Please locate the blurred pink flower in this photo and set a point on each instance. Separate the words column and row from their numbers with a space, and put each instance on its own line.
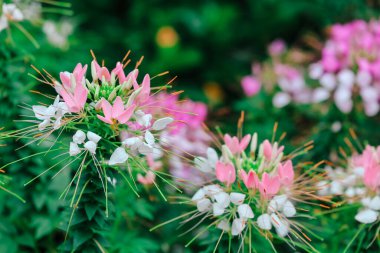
column 277, row 47
column 251, row 86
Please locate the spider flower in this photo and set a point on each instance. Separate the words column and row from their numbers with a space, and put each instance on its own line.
column 358, row 182
column 109, row 121
column 256, row 191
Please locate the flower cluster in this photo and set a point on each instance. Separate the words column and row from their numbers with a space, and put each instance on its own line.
column 284, row 76
column 359, row 183
column 346, row 73
column 349, row 65
column 109, row 117
column 256, row 187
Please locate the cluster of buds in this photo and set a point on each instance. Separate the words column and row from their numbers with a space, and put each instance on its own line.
column 256, row 187
column 358, row 183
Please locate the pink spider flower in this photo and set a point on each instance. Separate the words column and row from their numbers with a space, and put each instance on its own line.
column 269, row 186
column 286, row 173
column 271, row 152
column 225, row 172
column 115, row 112
column 250, row 179
column 234, row 145
column 73, row 90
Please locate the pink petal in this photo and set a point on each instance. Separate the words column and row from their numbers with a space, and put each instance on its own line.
column 117, row 108
column 267, row 150
column 108, row 121
column 126, row 115
column 244, row 142
column 107, row 109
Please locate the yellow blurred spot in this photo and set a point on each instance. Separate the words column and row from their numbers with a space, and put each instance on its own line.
column 166, row 36
column 213, row 92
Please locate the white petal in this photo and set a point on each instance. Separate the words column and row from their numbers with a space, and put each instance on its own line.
column 212, row 189
column 200, row 194
column 74, row 149
column 43, row 124
column 223, row 199
column 237, row 226
column 264, row 221
column 281, row 99
column 149, row 138
column 40, row 112
column 245, row 211
column 328, row 81
column 289, row 210
column 366, row 216
column 320, row 95
column 90, row 146
column 131, row 141
column 277, row 203
column 346, row 78
column 375, row 203
column 315, row 70
column 212, row 157
column 350, row 192
column 237, row 198
column 217, row 209
column 282, row 227
column 79, row 137
column 363, row 78
column 93, row 137
column 145, row 149
column 282, row 230
column 336, row 188
column 224, row 225
column 161, row 124
column 366, row 201
column 204, row 205
column 119, row 156
column 202, row 164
